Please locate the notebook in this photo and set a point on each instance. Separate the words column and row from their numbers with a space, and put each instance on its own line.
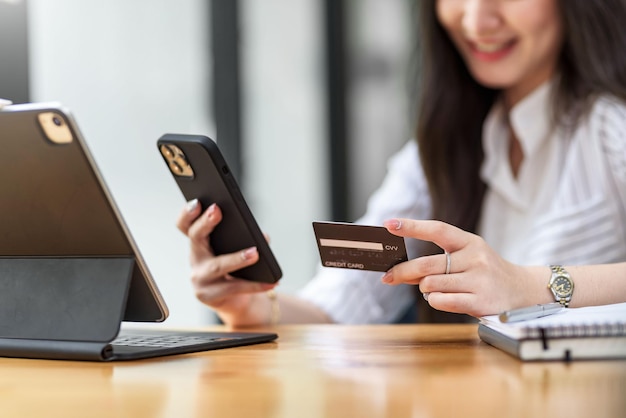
column 70, row 271
column 595, row 332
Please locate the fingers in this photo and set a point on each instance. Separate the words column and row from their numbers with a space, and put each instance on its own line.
column 416, row 270
column 198, row 227
column 195, row 225
column 226, row 289
column 446, row 283
column 199, row 231
column 189, row 213
column 420, row 267
column 455, row 302
column 479, row 280
column 453, row 292
column 210, row 269
column 446, row 236
column 213, row 283
column 212, row 276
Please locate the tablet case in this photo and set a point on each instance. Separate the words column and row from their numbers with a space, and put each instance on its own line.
column 68, row 273
column 62, row 307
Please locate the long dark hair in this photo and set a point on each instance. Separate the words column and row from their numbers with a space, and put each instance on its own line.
column 452, row 105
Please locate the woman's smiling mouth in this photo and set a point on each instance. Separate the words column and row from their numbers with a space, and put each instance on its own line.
column 491, row 51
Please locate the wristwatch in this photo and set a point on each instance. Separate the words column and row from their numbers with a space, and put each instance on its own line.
column 561, row 285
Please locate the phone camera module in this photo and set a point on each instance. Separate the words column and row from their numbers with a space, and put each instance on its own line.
column 57, row 121
column 176, row 160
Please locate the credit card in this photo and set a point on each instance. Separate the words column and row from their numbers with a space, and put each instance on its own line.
column 358, row 247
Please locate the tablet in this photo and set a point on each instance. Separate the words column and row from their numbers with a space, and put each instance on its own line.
column 55, row 203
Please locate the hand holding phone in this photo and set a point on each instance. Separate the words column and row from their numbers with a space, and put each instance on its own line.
column 201, row 173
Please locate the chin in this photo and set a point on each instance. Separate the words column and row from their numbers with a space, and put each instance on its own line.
column 492, row 81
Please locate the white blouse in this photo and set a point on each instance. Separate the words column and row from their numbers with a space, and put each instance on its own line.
column 567, row 204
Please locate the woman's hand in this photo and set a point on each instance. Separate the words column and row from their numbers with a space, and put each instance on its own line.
column 229, row 296
column 479, row 282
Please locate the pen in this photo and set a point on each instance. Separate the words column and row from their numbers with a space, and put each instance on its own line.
column 530, row 312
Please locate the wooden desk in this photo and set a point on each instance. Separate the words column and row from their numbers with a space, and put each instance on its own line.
column 322, row 371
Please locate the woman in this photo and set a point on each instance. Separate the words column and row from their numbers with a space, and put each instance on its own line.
column 522, row 147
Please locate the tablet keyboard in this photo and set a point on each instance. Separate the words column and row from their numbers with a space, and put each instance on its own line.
column 166, row 341
column 133, row 344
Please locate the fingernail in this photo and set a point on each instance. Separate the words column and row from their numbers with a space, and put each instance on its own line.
column 393, row 224
column 248, row 253
column 210, row 210
column 387, row 278
column 192, row 205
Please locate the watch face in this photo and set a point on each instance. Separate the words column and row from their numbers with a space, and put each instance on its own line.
column 562, row 285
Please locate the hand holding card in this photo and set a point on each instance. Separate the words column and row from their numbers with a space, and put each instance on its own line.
column 358, row 247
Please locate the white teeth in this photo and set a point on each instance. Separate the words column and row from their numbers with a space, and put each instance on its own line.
column 489, row 47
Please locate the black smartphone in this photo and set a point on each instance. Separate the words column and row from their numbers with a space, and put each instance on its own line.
column 201, row 172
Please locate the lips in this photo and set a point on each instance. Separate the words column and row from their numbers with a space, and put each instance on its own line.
column 491, row 51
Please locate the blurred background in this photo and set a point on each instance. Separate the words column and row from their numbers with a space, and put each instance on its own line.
column 306, row 98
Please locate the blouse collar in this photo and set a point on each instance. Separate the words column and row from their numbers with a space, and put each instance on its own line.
column 531, row 120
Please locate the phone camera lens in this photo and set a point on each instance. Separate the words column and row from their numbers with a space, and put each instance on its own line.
column 57, row 121
column 176, row 168
column 167, row 151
